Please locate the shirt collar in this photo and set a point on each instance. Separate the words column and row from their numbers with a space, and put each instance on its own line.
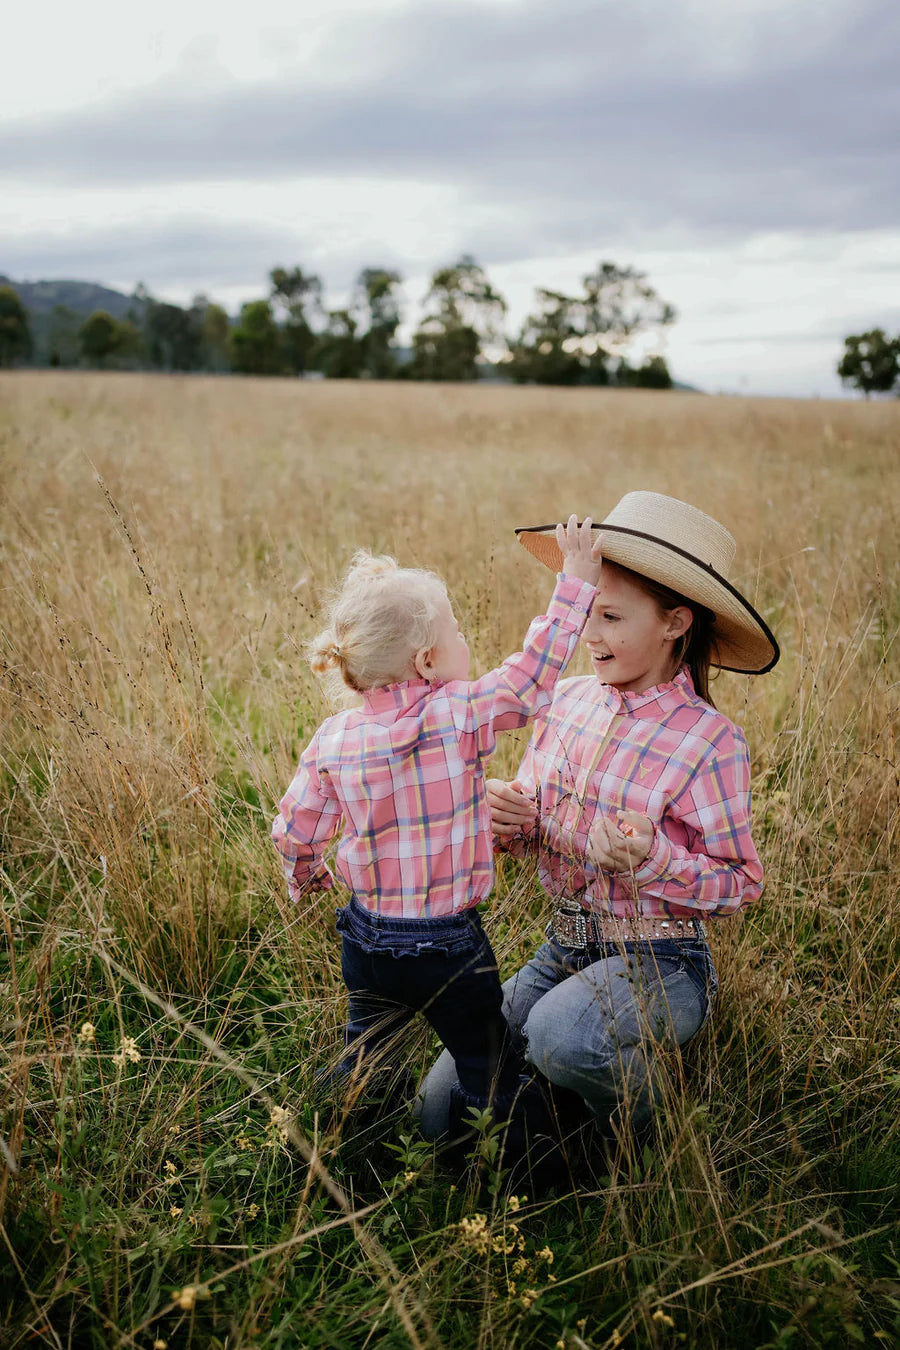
column 398, row 696
column 659, row 698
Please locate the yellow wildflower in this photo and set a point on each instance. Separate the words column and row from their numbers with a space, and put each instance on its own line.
column 176, row 1211
column 663, row 1318
column 520, row 1266
column 545, row 1254
column 160, row 1344
column 529, row 1296
column 127, row 1052
column 86, row 1033
column 515, row 1202
column 251, row 1212
column 187, row 1297
column 475, row 1232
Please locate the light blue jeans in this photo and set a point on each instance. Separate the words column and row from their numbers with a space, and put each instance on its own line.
column 593, row 1021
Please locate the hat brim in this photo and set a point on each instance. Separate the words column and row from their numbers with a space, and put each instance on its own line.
column 743, row 641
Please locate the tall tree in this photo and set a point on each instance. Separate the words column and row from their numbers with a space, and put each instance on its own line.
column 256, row 347
column 465, row 314
column 173, row 336
column 15, row 333
column 339, row 352
column 62, row 337
column 214, row 334
column 106, row 341
column 871, row 362
column 297, row 299
column 584, row 339
column 377, row 303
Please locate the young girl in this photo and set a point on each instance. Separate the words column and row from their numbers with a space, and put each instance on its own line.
column 634, row 794
column 401, row 776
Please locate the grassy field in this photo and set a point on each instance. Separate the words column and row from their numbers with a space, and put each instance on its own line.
column 165, row 1176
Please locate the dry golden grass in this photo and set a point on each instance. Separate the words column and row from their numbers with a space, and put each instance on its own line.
column 166, row 543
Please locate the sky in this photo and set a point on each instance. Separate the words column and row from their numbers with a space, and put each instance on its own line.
column 745, row 155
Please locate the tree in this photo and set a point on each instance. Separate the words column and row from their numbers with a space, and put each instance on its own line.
column 214, row 336
column 871, row 362
column 584, row 339
column 173, row 336
column 297, row 298
column 256, row 347
column 339, row 352
column 377, row 304
column 15, row 332
column 466, row 315
column 62, row 337
column 105, row 341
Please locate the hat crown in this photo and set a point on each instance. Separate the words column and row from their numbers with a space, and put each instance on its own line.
column 677, row 524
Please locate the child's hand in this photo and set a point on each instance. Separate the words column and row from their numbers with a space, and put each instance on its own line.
column 511, row 811
column 580, row 549
column 620, row 845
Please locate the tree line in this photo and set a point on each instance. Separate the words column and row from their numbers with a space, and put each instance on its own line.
column 579, row 339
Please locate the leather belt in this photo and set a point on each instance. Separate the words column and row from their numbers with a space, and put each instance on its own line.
column 584, row 928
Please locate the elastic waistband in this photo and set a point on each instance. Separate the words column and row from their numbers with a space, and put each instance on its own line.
column 441, row 923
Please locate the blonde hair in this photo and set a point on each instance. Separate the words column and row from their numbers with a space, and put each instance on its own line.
column 381, row 616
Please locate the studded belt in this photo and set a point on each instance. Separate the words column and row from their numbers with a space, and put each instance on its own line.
column 584, row 928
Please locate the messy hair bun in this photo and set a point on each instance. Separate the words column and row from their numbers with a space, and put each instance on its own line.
column 381, row 616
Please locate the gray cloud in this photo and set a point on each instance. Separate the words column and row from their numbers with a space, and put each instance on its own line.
column 580, row 118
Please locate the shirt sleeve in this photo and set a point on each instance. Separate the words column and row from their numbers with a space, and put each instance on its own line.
column 523, row 685
column 720, row 871
column 309, row 817
column 523, row 841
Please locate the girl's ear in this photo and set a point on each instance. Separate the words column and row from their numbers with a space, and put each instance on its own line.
column 423, row 661
column 680, row 620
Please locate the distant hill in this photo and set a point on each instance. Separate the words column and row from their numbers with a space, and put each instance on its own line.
column 82, row 297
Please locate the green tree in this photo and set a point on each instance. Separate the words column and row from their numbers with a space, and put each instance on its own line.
column 297, row 298
column 15, row 332
column 584, row 339
column 377, row 304
column 466, row 314
column 173, row 336
column 104, row 341
column 871, row 362
column 339, row 352
column 256, row 346
column 214, row 337
column 62, row 337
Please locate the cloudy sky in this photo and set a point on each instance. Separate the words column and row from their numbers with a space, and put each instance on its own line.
column 746, row 154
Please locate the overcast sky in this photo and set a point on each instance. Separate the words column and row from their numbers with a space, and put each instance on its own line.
column 745, row 153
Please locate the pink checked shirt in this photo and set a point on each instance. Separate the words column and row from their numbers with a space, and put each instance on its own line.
column 666, row 754
column 403, row 777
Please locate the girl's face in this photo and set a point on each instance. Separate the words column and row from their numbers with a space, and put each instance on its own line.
column 630, row 639
column 448, row 659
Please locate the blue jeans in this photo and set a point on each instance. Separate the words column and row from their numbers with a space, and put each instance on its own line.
column 592, row 1021
column 443, row 968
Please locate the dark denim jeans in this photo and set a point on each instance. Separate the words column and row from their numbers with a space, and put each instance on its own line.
column 443, row 968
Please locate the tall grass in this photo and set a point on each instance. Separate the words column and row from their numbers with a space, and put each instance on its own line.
column 169, row 1173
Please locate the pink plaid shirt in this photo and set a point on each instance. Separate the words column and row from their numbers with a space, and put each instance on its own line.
column 666, row 754
column 403, row 777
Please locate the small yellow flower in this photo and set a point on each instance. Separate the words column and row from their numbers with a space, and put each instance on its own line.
column 251, row 1212
column 511, row 1288
column 176, row 1211
column 409, row 1176
column 545, row 1254
column 663, row 1318
column 520, row 1266
column 194, row 1220
column 87, row 1032
column 616, row 1337
column 243, row 1143
column 159, row 1344
column 529, row 1296
column 127, row 1052
column 187, row 1297
column 515, row 1202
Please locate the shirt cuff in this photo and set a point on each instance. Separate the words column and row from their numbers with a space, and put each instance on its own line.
column 571, row 600
column 657, row 862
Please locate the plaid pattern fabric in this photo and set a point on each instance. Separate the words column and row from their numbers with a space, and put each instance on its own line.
column 666, row 754
column 403, row 777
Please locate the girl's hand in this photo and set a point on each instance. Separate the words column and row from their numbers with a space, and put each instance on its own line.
column 512, row 811
column 620, row 845
column 580, row 549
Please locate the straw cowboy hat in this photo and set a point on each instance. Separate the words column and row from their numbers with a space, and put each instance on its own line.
column 677, row 545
